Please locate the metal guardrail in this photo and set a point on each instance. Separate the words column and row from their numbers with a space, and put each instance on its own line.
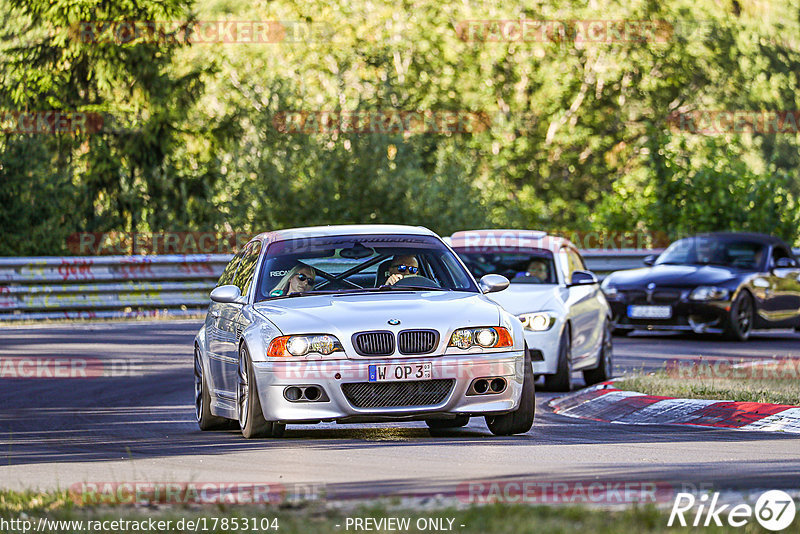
column 107, row 286
column 150, row 286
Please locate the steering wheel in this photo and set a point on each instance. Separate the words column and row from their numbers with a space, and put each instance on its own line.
column 416, row 280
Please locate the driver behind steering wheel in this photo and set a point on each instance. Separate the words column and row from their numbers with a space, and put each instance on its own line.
column 537, row 268
column 401, row 267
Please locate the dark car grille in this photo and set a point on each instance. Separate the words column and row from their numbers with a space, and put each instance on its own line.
column 417, row 341
column 396, row 394
column 374, row 343
column 660, row 296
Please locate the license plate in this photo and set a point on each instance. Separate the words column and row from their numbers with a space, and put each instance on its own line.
column 649, row 312
column 400, row 372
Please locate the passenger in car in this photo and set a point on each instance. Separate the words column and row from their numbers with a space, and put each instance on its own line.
column 298, row 280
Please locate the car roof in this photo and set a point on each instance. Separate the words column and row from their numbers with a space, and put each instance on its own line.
column 343, row 230
column 487, row 239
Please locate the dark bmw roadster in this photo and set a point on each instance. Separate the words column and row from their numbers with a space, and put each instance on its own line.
column 727, row 283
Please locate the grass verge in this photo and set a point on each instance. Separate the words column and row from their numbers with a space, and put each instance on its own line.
column 325, row 517
column 774, row 382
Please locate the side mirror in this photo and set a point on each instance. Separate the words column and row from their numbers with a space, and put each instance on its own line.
column 785, row 263
column 492, row 283
column 583, row 278
column 650, row 260
column 229, row 294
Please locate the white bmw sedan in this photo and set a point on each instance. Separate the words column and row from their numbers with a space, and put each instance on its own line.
column 566, row 317
column 369, row 323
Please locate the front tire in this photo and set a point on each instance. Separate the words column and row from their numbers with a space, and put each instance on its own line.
column 520, row 420
column 251, row 417
column 605, row 367
column 562, row 380
column 740, row 321
column 202, row 400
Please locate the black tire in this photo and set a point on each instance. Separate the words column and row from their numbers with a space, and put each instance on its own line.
column 562, row 380
column 739, row 323
column 459, row 421
column 520, row 420
column 202, row 400
column 605, row 367
column 251, row 417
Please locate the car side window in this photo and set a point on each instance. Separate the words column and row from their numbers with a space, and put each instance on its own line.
column 576, row 260
column 230, row 270
column 244, row 276
column 571, row 262
column 778, row 252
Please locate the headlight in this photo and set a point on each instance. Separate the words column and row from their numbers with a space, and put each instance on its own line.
column 538, row 322
column 285, row 346
column 611, row 292
column 710, row 293
column 489, row 337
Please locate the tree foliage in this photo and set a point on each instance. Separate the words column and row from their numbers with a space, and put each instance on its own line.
column 579, row 134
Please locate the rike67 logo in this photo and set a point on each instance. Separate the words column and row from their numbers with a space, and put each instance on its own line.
column 774, row 510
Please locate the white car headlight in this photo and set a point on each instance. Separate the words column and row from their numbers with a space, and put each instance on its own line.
column 283, row 346
column 710, row 293
column 490, row 337
column 538, row 322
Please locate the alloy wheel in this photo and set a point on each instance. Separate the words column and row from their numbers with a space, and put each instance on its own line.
column 243, row 389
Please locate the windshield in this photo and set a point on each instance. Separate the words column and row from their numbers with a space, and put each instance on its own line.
column 707, row 250
column 353, row 264
column 528, row 267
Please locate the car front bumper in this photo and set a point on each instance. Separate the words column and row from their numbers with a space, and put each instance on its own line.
column 543, row 347
column 693, row 316
column 274, row 377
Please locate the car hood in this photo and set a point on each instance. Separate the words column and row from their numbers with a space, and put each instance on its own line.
column 526, row 298
column 674, row 276
column 343, row 315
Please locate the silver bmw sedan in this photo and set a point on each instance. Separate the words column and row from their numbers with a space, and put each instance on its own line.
column 363, row 323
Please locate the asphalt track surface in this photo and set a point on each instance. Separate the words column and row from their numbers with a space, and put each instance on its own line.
column 58, row 432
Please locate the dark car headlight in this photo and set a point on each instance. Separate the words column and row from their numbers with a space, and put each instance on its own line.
column 611, row 292
column 710, row 293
